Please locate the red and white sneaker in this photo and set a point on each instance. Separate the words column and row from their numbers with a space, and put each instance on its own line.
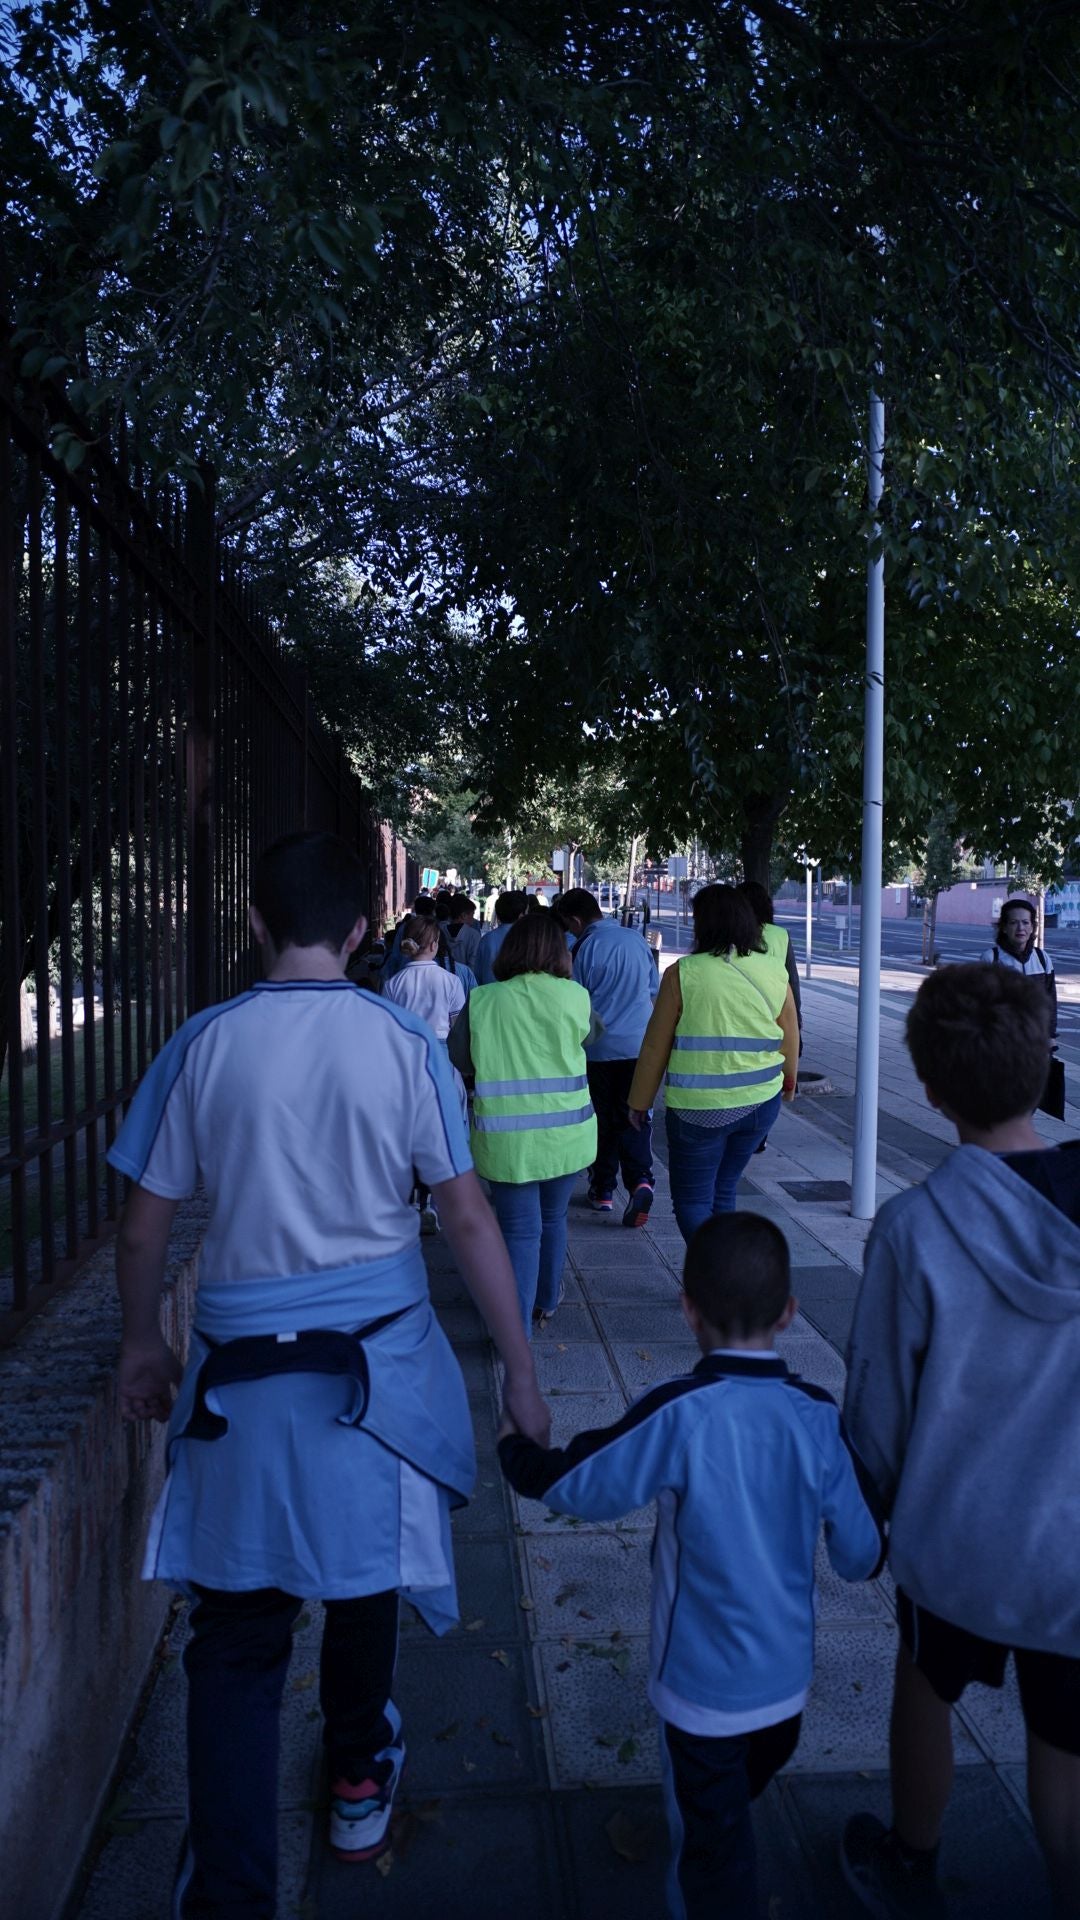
column 360, row 1810
column 641, row 1200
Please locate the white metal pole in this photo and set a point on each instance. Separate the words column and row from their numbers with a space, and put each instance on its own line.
column 809, row 916
column 868, row 1046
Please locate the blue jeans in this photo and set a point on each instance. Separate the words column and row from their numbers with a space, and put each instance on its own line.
column 704, row 1163
column 709, row 1782
column 532, row 1216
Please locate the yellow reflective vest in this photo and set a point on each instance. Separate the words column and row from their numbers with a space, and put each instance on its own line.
column 532, row 1116
column 728, row 1048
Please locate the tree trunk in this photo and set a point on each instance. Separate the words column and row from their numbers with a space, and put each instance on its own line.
column 933, row 929
column 760, row 816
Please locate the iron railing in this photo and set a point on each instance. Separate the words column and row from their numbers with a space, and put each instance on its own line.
column 154, row 733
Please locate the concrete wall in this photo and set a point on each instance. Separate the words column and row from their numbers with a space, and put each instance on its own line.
column 78, row 1629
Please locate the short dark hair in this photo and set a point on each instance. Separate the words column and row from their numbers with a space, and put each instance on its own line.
column 423, row 904
column 979, row 1039
column 724, row 919
column 310, row 889
column 760, row 900
column 509, row 907
column 581, row 903
column 535, row 944
column 463, row 904
column 737, row 1272
column 444, row 901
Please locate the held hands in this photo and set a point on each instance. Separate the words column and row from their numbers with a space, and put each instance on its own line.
column 636, row 1117
column 525, row 1411
column 148, row 1373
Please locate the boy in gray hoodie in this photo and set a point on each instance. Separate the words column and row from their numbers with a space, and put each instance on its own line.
column 963, row 1399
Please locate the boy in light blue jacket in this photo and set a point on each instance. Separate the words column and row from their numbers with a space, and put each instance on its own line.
column 745, row 1462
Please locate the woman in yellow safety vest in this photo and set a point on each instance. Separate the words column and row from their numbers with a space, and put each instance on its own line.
column 724, row 1032
column 533, row 1127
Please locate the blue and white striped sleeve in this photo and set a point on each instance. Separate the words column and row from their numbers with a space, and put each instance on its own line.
column 606, row 1471
column 440, row 1143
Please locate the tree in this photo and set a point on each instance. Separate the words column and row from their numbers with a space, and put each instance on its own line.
column 941, row 868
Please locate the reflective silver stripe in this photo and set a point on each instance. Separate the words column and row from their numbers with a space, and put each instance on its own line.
column 685, row 1043
column 494, row 1089
column 699, row 1081
column 527, row 1122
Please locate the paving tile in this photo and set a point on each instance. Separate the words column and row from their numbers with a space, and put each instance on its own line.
column 600, row 1720
column 475, row 1364
column 641, row 1323
column 629, row 1283
column 572, row 1367
column 571, row 1321
column 846, row 1722
column 994, row 1715
column 461, row 1323
column 815, row 1360
column 613, row 1247
column 466, row 1717
column 488, row 1510
column 133, row 1875
column 853, row 1600
column 604, row 1882
column 489, row 1590
column 453, row 1856
column 989, row 1865
column 644, row 1366
column 604, row 1576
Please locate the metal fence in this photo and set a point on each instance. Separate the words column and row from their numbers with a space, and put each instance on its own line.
column 153, row 735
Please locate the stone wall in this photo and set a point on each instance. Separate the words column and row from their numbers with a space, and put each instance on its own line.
column 78, row 1628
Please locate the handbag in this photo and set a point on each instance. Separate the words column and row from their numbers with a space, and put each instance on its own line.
column 1053, row 1100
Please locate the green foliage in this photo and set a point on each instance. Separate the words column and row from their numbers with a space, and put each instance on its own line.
column 533, row 351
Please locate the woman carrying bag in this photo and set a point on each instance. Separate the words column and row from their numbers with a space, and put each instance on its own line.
column 533, row 1126
column 724, row 1032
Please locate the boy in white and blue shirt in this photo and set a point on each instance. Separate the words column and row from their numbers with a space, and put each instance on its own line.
column 321, row 1431
column 746, row 1462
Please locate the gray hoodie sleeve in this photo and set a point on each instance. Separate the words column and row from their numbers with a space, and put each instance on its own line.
column 889, row 1338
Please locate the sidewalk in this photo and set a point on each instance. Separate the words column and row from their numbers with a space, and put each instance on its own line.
column 531, row 1782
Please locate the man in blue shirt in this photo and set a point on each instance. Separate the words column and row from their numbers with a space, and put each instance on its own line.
column 508, row 908
column 615, row 967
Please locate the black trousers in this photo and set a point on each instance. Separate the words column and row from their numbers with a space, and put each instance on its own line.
column 709, row 1783
column 236, row 1663
column 620, row 1148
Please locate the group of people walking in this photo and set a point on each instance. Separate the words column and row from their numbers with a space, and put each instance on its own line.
column 563, row 1034
column 320, row 1434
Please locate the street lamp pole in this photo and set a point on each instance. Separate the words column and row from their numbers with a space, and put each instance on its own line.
column 868, row 1045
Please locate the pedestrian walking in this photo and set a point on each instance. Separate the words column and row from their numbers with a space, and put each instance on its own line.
column 533, row 1127
column 724, row 1032
column 745, row 1462
column 321, row 1430
column 617, row 972
column 436, row 994
column 463, row 932
column 508, row 908
column 961, row 1398
column 777, row 940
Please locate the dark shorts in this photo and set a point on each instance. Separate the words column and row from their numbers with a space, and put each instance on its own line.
column 951, row 1658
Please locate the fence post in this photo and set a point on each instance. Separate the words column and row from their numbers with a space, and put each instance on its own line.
column 202, row 559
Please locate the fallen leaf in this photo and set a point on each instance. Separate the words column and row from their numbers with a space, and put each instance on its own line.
column 449, row 1732
column 627, row 1752
column 628, row 1838
column 469, row 1766
column 542, row 1563
column 567, row 1593
column 385, row 1862
column 502, row 1658
column 302, row 1684
column 500, row 1739
column 561, row 1666
column 643, row 1353
column 474, row 1626
column 605, row 1740
column 560, row 1349
column 538, row 1713
column 526, row 1604
column 583, row 1615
